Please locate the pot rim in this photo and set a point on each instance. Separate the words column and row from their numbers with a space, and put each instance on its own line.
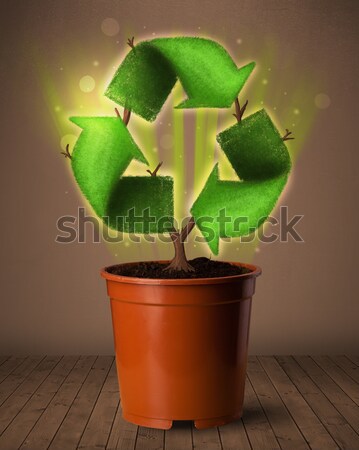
column 255, row 271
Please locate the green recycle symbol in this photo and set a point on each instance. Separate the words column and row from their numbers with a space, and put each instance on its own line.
column 141, row 85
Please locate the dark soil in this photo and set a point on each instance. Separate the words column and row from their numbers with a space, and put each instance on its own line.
column 204, row 268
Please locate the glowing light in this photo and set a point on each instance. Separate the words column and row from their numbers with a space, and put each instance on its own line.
column 322, row 101
column 178, row 150
column 199, row 149
column 57, row 108
column 296, row 111
column 87, row 84
column 110, row 27
column 167, row 141
column 265, row 81
column 303, row 93
column 68, row 139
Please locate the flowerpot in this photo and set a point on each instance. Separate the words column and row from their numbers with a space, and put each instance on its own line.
column 181, row 347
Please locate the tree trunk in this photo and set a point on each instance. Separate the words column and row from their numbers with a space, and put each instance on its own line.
column 179, row 262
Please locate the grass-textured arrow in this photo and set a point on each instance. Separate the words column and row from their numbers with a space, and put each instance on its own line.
column 261, row 160
column 147, row 75
column 100, row 157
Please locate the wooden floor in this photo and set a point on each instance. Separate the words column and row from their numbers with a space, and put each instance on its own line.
column 72, row 402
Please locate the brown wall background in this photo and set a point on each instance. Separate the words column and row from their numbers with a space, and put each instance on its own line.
column 52, row 298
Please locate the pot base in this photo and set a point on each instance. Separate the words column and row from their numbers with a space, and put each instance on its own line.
column 148, row 422
column 164, row 424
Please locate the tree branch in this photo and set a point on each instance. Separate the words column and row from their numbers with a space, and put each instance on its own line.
column 126, row 115
column 130, row 42
column 287, row 137
column 187, row 229
column 239, row 111
column 154, row 173
column 183, row 234
column 67, row 152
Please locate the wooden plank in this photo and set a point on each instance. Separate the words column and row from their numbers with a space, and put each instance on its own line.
column 71, row 429
column 333, row 392
column 312, row 429
column 207, row 439
column 45, row 429
column 123, row 434
column 354, row 359
column 11, row 407
column 233, row 436
column 347, row 384
column 283, row 425
column 348, row 366
column 100, row 423
column 9, row 365
column 179, row 436
column 16, row 374
column 259, row 431
column 16, row 432
column 333, row 421
column 3, row 359
column 149, row 439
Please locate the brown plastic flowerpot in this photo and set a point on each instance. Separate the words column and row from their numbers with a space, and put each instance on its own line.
column 181, row 347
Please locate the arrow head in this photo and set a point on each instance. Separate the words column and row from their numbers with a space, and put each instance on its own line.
column 106, row 134
column 101, row 154
column 206, row 71
column 221, row 85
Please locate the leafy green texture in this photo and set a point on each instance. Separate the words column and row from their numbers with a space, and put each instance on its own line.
column 145, row 204
column 147, row 75
column 101, row 155
column 142, row 84
column 261, row 160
